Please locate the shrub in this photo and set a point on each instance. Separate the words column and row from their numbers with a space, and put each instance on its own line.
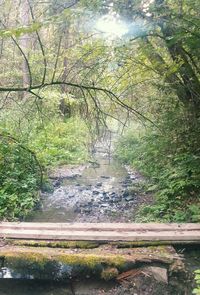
column 20, row 178
column 173, row 171
column 197, row 279
column 61, row 142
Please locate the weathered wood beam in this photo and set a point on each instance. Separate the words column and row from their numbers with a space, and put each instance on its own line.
column 171, row 233
column 102, row 226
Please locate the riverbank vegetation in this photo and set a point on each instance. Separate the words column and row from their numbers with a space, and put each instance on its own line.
column 30, row 145
column 197, row 279
column 168, row 152
column 70, row 69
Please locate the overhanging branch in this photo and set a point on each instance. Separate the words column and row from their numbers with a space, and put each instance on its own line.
column 108, row 92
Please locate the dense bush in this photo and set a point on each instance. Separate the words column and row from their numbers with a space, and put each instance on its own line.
column 59, row 142
column 62, row 142
column 31, row 141
column 173, row 171
column 20, row 178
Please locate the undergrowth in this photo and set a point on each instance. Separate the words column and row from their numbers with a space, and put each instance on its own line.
column 62, row 142
column 197, row 280
column 20, row 178
column 30, row 143
column 172, row 171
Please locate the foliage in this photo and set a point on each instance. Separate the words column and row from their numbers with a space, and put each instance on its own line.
column 174, row 175
column 59, row 135
column 19, row 180
column 197, row 279
column 62, row 142
column 45, row 138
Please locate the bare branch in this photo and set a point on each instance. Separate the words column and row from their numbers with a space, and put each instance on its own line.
column 85, row 87
column 57, row 56
column 24, row 56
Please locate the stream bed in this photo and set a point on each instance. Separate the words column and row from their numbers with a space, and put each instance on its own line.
column 93, row 193
column 102, row 191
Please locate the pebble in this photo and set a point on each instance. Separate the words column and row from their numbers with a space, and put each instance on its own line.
column 77, row 210
column 96, row 201
column 57, row 183
column 87, row 210
column 112, row 194
column 130, row 198
column 104, row 205
column 125, row 193
column 70, row 195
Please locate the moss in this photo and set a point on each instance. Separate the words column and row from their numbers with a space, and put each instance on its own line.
column 56, row 244
column 141, row 244
column 109, row 273
column 91, row 260
column 104, row 262
column 25, row 259
column 49, row 264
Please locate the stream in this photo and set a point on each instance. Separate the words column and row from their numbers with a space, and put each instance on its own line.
column 101, row 191
column 93, row 193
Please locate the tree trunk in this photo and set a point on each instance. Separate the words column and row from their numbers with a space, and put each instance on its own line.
column 24, row 41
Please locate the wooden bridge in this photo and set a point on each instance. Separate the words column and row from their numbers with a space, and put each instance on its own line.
column 101, row 249
column 103, row 232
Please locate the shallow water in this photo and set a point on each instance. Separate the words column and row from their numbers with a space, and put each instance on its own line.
column 97, row 195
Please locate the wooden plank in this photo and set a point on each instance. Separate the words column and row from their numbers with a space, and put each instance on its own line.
column 104, row 236
column 102, row 226
column 101, row 232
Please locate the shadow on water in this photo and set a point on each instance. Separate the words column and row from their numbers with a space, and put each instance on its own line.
column 43, row 287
